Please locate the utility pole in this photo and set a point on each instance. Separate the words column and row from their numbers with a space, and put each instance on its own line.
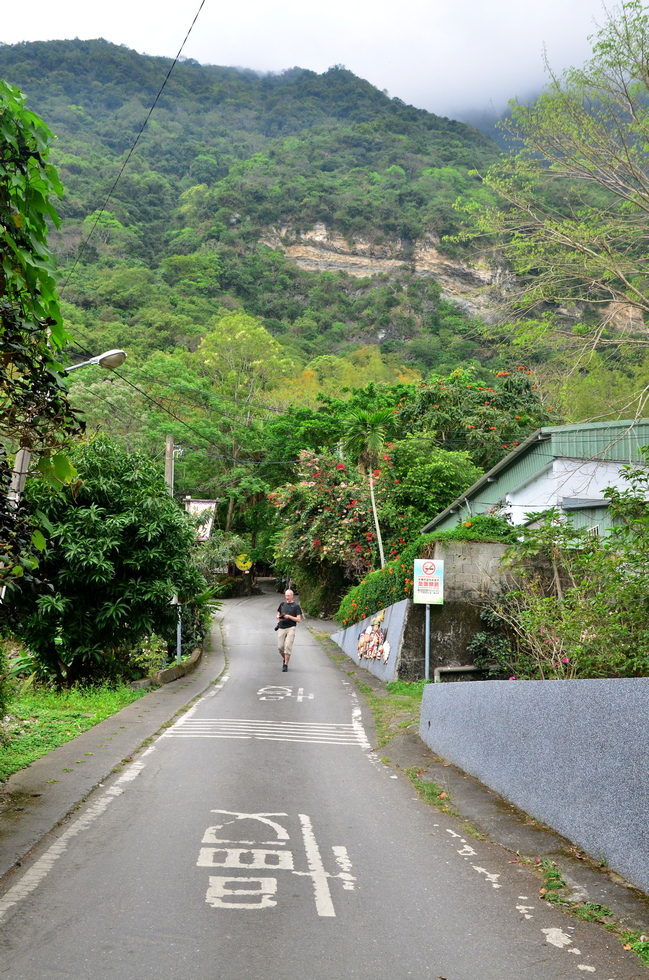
column 16, row 487
column 18, row 477
column 169, row 464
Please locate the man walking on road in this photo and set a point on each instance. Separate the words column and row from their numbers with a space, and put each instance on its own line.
column 289, row 615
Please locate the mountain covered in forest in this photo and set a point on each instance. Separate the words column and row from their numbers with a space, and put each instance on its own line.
column 315, row 202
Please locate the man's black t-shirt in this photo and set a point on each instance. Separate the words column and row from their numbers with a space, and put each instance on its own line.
column 292, row 609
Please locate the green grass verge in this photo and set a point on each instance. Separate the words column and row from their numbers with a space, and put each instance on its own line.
column 396, row 710
column 41, row 719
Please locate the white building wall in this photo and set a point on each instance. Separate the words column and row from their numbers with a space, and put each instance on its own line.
column 587, row 479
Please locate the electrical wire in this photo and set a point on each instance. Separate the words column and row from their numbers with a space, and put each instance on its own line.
column 132, row 149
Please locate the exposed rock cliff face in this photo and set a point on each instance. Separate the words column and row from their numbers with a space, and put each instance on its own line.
column 478, row 288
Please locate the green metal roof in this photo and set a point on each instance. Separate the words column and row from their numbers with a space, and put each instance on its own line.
column 614, row 441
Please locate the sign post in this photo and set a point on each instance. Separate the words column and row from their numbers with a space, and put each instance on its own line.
column 179, row 628
column 428, row 588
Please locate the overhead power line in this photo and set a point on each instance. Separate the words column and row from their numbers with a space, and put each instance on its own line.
column 132, row 148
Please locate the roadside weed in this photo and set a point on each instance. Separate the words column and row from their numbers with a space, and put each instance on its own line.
column 42, row 719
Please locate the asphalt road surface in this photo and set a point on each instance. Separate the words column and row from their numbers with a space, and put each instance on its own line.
column 261, row 838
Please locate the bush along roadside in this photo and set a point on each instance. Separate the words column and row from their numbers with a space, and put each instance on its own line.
column 394, row 582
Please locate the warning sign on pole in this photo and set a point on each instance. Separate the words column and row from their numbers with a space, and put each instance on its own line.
column 428, row 581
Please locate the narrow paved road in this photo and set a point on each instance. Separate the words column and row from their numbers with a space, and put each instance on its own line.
column 260, row 838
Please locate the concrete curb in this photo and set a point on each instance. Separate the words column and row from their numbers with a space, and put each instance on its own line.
column 169, row 674
column 43, row 794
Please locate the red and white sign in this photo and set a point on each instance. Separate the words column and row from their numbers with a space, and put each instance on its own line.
column 428, row 582
column 205, row 510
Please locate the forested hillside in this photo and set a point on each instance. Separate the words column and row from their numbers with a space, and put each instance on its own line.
column 191, row 245
column 227, row 156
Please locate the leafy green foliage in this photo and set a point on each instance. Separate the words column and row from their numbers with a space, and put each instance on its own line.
column 119, row 549
column 34, row 410
column 425, row 479
column 5, row 687
column 572, row 204
column 33, row 405
column 467, row 413
column 42, row 719
column 328, row 536
column 228, row 157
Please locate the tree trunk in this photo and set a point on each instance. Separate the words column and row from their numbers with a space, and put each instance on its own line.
column 376, row 521
column 228, row 520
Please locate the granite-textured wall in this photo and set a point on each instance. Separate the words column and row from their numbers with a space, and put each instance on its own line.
column 471, row 568
column 573, row 754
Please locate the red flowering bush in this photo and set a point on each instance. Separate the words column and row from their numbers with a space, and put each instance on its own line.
column 328, row 536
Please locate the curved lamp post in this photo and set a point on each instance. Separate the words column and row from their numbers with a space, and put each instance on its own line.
column 110, row 360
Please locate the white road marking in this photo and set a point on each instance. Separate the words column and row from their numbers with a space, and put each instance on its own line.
column 284, row 731
column 493, row 878
column 467, row 851
column 582, row 966
column 357, row 724
column 233, row 857
column 133, row 770
column 274, row 692
column 41, row 868
column 557, row 937
column 323, row 903
column 525, row 910
column 301, row 695
column 218, row 892
column 32, row 878
column 345, row 865
column 264, row 818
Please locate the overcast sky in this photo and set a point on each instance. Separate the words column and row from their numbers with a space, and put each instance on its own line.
column 443, row 55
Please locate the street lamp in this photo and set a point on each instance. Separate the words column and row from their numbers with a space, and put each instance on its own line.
column 110, row 360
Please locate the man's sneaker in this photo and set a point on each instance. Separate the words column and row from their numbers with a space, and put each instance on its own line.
column 284, row 667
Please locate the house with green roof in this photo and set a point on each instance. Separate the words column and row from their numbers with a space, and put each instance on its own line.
column 564, row 466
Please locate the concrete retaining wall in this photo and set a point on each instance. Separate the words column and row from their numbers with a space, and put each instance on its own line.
column 471, row 570
column 355, row 639
column 573, row 754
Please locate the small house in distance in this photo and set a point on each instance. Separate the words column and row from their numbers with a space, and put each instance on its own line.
column 564, row 466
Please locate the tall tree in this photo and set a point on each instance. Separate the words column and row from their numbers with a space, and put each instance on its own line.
column 364, row 439
column 243, row 362
column 34, row 411
column 574, row 200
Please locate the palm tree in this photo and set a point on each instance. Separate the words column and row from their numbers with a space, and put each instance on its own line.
column 364, row 435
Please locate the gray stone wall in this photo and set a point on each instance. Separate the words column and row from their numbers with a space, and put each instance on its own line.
column 471, row 568
column 452, row 626
column 573, row 754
